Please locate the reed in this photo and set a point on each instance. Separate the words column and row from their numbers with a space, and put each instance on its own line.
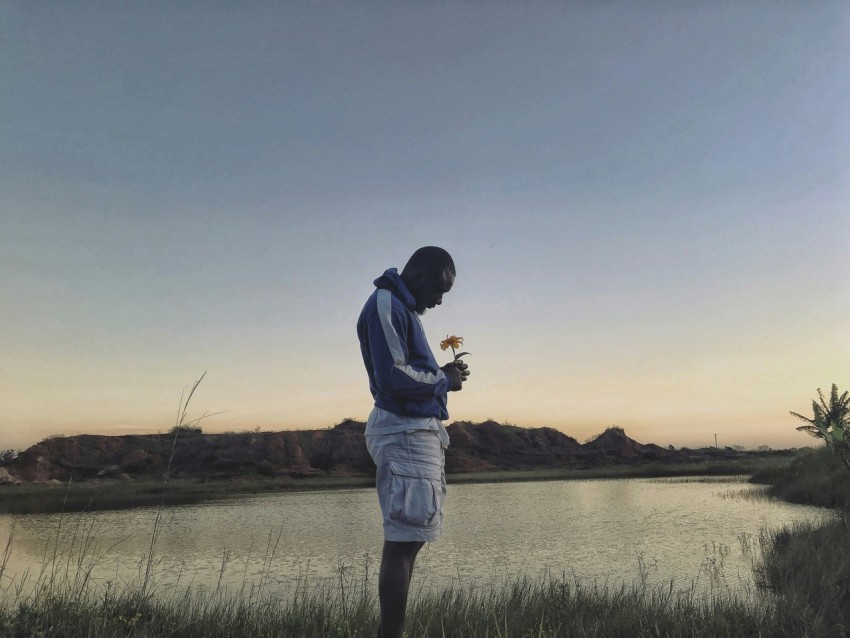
column 800, row 573
column 552, row 605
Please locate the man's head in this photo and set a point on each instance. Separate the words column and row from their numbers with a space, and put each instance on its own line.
column 428, row 275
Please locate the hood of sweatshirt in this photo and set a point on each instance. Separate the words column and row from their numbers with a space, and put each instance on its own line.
column 393, row 282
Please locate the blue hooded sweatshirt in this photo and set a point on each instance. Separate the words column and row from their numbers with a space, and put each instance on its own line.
column 408, row 386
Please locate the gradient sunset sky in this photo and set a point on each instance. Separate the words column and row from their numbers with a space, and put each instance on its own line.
column 647, row 204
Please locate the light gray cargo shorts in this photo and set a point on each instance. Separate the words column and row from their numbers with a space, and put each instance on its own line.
column 411, row 483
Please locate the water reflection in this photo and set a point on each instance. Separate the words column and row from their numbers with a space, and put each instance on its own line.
column 609, row 531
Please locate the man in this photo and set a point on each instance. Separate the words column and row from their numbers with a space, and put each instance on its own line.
column 404, row 432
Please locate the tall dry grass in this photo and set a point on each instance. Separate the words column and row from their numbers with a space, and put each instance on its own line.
column 800, row 572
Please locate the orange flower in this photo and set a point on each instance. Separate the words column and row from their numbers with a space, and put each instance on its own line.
column 455, row 344
column 451, row 342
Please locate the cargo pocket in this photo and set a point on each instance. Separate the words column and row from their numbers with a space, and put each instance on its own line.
column 415, row 493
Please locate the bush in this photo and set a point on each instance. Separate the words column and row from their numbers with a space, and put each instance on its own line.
column 814, row 477
column 186, row 430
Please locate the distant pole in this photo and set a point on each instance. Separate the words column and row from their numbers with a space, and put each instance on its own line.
column 715, row 440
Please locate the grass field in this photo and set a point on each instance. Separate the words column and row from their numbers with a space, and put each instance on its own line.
column 800, row 595
column 553, row 606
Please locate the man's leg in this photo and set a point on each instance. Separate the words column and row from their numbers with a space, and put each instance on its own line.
column 394, row 583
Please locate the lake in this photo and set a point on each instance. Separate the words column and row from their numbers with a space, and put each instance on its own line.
column 697, row 533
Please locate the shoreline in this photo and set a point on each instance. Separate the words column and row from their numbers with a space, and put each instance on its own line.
column 112, row 494
column 799, row 590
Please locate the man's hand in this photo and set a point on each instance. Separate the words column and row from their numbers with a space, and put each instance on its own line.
column 456, row 372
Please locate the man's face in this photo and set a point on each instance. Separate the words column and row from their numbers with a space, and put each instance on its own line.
column 430, row 291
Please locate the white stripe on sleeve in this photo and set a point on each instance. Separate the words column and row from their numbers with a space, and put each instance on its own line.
column 385, row 312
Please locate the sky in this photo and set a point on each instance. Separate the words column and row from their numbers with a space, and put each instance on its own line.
column 647, row 205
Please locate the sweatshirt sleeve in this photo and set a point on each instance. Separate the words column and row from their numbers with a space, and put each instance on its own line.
column 393, row 371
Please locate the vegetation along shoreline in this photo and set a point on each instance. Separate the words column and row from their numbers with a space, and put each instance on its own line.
column 88, row 472
column 801, row 591
column 801, row 574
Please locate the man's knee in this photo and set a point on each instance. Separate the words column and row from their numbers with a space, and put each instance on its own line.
column 403, row 552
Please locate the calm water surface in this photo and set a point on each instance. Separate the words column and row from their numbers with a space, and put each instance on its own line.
column 608, row 531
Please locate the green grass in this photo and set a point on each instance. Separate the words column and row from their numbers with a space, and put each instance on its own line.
column 807, row 567
column 65, row 602
column 649, row 470
column 553, row 606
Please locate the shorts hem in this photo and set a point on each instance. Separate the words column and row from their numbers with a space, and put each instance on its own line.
column 406, row 536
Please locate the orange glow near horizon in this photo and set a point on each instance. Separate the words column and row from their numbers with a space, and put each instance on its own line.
column 636, row 243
